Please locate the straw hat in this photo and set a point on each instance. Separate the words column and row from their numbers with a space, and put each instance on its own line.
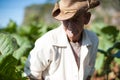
column 66, row 9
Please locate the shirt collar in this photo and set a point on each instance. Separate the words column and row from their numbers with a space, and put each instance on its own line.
column 85, row 39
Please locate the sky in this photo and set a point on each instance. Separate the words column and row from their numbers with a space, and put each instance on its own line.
column 14, row 10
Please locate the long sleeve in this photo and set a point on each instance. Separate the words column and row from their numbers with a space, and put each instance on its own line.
column 38, row 60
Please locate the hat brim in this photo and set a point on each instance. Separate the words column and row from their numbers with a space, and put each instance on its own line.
column 64, row 13
column 63, row 16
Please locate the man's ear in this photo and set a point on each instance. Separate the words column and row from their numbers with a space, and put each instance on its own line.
column 87, row 17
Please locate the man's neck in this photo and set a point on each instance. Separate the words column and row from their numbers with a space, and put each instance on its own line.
column 76, row 38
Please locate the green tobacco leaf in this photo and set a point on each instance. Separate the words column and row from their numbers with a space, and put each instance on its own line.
column 10, row 28
column 96, row 27
column 7, row 68
column 99, row 63
column 7, row 61
column 110, row 32
column 8, row 44
column 22, row 40
column 31, row 32
column 104, row 44
column 20, row 52
column 25, row 46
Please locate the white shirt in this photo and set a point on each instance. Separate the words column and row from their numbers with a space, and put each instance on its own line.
column 52, row 57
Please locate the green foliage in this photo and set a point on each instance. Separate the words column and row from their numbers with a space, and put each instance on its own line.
column 7, row 68
column 16, row 43
column 25, row 46
column 7, row 61
column 107, row 34
column 109, row 47
column 8, row 44
column 99, row 63
column 11, row 27
column 110, row 55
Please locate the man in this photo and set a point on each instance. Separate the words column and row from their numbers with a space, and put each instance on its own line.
column 69, row 51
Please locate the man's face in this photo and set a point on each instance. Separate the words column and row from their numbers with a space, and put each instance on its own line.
column 74, row 26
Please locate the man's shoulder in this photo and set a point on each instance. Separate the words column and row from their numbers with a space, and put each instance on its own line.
column 90, row 33
column 92, row 36
column 48, row 37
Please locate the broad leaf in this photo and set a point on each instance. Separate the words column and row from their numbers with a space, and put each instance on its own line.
column 8, row 44
column 25, row 46
column 7, row 68
column 110, row 32
column 99, row 63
